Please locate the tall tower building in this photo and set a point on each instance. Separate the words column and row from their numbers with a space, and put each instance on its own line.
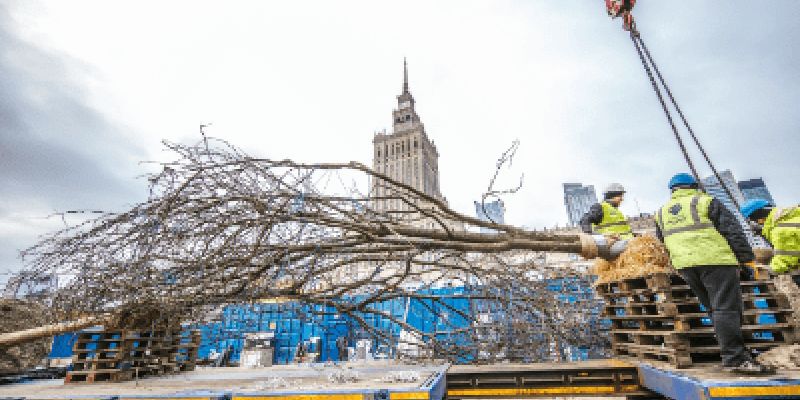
column 406, row 154
column 755, row 189
column 493, row 211
column 714, row 188
column 578, row 199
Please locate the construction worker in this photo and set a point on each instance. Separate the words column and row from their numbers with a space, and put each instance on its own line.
column 606, row 218
column 781, row 228
column 706, row 245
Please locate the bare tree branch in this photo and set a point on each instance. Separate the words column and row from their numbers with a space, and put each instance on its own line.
column 221, row 227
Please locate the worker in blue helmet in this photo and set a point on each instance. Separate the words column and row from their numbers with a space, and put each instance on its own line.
column 706, row 245
column 781, row 228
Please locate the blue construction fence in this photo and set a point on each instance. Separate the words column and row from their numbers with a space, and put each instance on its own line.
column 319, row 326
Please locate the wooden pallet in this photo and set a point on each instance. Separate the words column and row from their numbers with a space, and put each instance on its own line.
column 688, row 321
column 660, row 282
column 680, row 358
column 99, row 356
column 155, row 352
column 635, row 297
column 654, row 281
column 127, row 354
column 683, row 349
column 781, row 333
column 101, row 375
column 658, row 317
column 633, row 291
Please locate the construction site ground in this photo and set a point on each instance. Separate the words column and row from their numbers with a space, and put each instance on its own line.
column 630, row 378
column 212, row 382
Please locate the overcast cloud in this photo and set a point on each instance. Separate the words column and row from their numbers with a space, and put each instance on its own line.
column 88, row 88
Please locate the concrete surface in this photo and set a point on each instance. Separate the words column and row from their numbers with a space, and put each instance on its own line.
column 279, row 378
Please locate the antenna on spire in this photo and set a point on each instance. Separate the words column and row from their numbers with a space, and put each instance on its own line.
column 405, row 76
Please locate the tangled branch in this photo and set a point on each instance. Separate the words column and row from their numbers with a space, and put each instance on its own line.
column 221, row 227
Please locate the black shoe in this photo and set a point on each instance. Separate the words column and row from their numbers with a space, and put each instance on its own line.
column 750, row 367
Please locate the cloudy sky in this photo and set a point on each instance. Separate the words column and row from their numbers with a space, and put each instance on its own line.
column 90, row 88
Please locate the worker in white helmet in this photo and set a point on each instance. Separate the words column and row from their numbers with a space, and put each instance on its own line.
column 606, row 218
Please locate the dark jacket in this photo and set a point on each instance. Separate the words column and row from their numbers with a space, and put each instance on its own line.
column 593, row 216
column 728, row 226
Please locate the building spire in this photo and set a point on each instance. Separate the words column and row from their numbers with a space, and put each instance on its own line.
column 405, row 76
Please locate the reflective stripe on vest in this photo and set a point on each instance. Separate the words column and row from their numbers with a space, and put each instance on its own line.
column 791, row 253
column 787, row 225
column 612, row 224
column 697, row 225
column 782, row 212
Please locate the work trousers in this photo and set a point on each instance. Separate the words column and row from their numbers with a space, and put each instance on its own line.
column 718, row 288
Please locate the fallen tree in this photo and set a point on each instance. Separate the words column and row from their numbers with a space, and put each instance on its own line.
column 221, row 227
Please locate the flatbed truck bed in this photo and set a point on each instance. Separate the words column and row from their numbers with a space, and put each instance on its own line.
column 710, row 382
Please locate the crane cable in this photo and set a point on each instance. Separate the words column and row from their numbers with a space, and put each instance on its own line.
column 635, row 37
column 647, row 63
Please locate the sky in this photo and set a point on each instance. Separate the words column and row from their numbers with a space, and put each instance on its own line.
column 89, row 89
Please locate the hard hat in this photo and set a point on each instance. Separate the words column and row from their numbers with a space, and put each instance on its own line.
column 752, row 206
column 682, row 179
column 614, row 188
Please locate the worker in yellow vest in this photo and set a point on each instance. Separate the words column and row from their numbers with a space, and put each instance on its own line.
column 706, row 245
column 781, row 228
column 606, row 218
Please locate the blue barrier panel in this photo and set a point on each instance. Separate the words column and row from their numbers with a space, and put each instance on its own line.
column 294, row 323
column 62, row 345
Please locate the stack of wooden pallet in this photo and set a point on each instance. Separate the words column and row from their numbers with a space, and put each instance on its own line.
column 658, row 317
column 155, row 352
column 118, row 355
column 100, row 356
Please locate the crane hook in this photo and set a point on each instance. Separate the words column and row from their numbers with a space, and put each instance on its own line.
column 622, row 8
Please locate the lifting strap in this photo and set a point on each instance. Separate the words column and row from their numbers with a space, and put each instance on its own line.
column 652, row 71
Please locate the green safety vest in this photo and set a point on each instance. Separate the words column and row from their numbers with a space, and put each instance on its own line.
column 782, row 229
column 613, row 222
column 689, row 235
